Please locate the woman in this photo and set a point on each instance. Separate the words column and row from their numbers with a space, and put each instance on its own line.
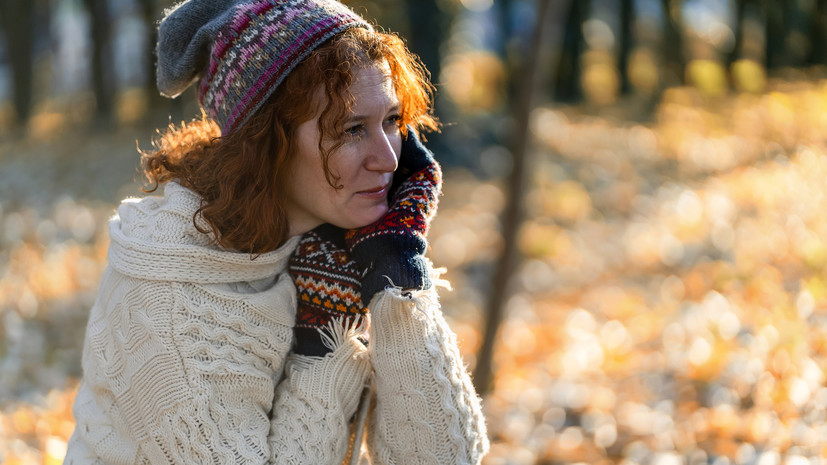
column 231, row 323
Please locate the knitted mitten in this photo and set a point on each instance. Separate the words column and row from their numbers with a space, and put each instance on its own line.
column 394, row 247
column 327, row 286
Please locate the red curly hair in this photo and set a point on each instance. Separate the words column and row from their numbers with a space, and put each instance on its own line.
column 239, row 175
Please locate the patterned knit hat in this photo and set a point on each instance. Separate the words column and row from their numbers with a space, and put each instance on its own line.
column 241, row 49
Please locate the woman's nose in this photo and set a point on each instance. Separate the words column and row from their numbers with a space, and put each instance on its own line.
column 382, row 156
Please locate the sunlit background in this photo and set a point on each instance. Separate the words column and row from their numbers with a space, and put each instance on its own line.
column 668, row 300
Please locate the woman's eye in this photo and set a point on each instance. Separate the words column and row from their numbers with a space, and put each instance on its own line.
column 394, row 120
column 354, row 131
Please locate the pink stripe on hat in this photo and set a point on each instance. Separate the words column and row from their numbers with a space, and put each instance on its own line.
column 310, row 36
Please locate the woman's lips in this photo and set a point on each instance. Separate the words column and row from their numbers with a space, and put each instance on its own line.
column 377, row 192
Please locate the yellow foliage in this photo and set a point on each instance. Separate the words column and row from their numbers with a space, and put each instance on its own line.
column 749, row 76
column 600, row 79
column 708, row 76
column 643, row 70
column 475, row 80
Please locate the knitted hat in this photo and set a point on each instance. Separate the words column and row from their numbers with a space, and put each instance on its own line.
column 241, row 49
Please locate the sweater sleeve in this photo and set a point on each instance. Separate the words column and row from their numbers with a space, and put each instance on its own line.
column 316, row 400
column 427, row 411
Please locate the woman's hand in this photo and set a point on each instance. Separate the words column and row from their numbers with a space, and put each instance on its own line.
column 393, row 248
column 327, row 285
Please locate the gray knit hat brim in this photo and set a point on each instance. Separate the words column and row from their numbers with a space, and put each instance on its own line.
column 185, row 37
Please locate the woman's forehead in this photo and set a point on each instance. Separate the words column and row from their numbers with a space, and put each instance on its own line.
column 373, row 78
column 370, row 78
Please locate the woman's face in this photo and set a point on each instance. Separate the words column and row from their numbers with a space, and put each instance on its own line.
column 363, row 166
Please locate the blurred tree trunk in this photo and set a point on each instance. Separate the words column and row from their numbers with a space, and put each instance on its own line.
column 776, row 34
column 103, row 76
column 17, row 18
column 149, row 11
column 737, row 49
column 429, row 26
column 674, row 58
column 505, row 45
column 504, row 16
column 798, row 24
column 627, row 42
column 567, row 83
column 818, row 34
column 514, row 214
column 511, row 49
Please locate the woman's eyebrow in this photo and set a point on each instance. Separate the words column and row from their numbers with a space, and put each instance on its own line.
column 393, row 109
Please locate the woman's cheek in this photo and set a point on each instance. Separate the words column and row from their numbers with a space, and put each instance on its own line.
column 373, row 215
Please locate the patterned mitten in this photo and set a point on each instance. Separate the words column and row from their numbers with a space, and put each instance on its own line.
column 393, row 248
column 327, row 286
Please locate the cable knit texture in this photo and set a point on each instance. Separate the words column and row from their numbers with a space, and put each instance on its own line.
column 306, row 403
column 185, row 353
column 187, row 361
column 427, row 411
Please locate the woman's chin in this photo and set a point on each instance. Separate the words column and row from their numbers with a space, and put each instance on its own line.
column 365, row 218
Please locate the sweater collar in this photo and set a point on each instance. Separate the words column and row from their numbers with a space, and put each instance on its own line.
column 154, row 238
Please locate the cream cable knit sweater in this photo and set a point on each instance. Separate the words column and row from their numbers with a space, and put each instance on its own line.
column 187, row 361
